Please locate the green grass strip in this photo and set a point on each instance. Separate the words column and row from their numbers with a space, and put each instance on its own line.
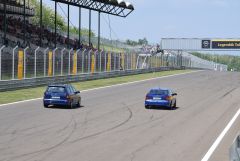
column 37, row 92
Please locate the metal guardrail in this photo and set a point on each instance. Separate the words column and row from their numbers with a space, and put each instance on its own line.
column 234, row 152
column 33, row 82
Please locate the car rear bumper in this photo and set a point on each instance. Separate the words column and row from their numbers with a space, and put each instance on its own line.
column 55, row 102
column 157, row 103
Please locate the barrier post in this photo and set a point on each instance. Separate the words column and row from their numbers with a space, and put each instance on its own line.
column 74, row 70
column 115, row 61
column 62, row 61
column 69, row 61
column 35, row 62
column 50, row 63
column 54, row 55
column 119, row 61
column 24, row 52
column 13, row 62
column 105, row 63
column 77, row 60
column 83, row 58
column 1, row 61
column 109, row 62
column 89, row 61
column 123, row 61
column 127, row 60
column 20, row 64
column 93, row 62
column 100, row 63
column 144, row 62
column 44, row 61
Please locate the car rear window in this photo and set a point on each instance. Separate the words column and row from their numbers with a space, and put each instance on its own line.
column 159, row 92
column 56, row 89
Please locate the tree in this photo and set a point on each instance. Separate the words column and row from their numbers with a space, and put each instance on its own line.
column 49, row 19
column 143, row 41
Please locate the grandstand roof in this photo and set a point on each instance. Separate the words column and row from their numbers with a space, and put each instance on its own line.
column 113, row 7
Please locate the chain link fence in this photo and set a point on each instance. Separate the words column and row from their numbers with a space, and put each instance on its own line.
column 17, row 63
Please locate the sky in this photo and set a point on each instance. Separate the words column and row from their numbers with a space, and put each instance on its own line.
column 156, row 19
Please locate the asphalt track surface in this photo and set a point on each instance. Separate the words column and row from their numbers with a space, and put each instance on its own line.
column 113, row 124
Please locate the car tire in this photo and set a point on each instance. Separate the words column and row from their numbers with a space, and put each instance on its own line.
column 171, row 106
column 79, row 104
column 71, row 106
column 175, row 104
column 45, row 105
column 147, row 107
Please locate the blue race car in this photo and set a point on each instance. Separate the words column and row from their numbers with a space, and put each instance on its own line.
column 161, row 97
column 62, row 95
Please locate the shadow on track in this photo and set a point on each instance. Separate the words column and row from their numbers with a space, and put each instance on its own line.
column 64, row 107
column 162, row 108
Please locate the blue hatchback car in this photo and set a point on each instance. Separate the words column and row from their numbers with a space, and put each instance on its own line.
column 161, row 97
column 62, row 95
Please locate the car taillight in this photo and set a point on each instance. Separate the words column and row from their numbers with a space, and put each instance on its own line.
column 169, row 98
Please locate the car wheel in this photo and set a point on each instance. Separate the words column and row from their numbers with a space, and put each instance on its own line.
column 79, row 104
column 45, row 105
column 175, row 104
column 147, row 107
column 71, row 105
column 171, row 106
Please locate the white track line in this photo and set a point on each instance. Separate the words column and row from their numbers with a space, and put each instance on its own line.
column 220, row 137
column 24, row 101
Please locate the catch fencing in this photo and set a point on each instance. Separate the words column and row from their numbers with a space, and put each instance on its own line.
column 17, row 63
column 20, row 64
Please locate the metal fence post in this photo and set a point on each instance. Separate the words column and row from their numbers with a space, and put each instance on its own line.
column 144, row 62
column 105, row 63
column 100, row 63
column 1, row 61
column 69, row 61
column 83, row 59
column 44, row 61
column 127, row 60
column 35, row 62
column 77, row 60
column 62, row 61
column 13, row 62
column 89, row 61
column 119, row 61
column 115, row 61
column 24, row 52
column 95, row 61
column 54, row 54
column 137, row 62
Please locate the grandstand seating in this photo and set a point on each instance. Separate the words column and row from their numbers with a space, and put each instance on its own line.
column 15, row 30
column 15, row 25
column 14, row 7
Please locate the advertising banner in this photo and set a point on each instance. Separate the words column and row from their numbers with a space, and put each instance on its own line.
column 20, row 64
column 109, row 62
column 50, row 63
column 93, row 64
column 74, row 70
column 225, row 44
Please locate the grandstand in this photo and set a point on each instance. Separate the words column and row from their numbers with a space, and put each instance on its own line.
column 17, row 28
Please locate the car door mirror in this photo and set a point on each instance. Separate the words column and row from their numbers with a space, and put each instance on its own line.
column 77, row 92
column 174, row 94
